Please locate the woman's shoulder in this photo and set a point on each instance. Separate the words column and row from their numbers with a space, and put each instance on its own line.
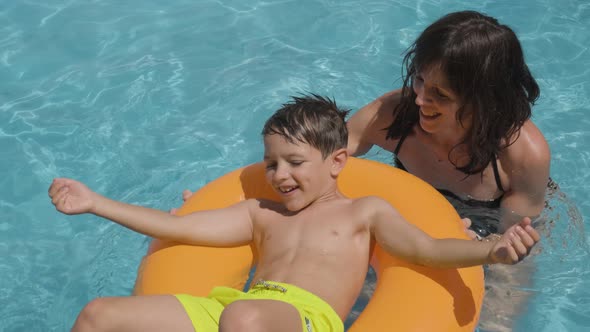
column 388, row 100
column 528, row 158
column 527, row 146
column 526, row 165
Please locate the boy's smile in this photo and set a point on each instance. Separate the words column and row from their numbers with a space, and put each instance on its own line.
column 297, row 172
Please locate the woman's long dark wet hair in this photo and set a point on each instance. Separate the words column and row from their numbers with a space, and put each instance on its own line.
column 484, row 65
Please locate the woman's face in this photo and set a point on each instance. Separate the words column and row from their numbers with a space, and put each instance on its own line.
column 438, row 104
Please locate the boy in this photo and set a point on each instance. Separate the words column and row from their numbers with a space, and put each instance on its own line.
column 313, row 246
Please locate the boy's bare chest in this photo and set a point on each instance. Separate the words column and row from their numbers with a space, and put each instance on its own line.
column 314, row 233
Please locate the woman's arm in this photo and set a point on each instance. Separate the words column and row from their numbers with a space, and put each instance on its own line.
column 365, row 127
column 527, row 164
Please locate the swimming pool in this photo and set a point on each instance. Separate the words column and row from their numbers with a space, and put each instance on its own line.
column 142, row 99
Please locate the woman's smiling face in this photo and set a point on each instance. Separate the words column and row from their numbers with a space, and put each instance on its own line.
column 438, row 103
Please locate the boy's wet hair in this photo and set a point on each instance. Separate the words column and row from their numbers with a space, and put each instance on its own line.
column 310, row 119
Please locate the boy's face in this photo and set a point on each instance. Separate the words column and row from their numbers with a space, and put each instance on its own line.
column 297, row 172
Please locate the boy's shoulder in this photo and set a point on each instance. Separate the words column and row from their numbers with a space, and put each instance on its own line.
column 369, row 210
column 370, row 200
column 372, row 204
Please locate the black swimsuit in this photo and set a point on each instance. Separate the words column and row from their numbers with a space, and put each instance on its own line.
column 484, row 215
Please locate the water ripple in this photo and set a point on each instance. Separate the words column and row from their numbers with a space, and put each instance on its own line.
column 142, row 100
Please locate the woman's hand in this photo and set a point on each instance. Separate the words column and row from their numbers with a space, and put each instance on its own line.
column 472, row 235
column 186, row 194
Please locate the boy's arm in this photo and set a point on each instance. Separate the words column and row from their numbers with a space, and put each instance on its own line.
column 402, row 239
column 231, row 226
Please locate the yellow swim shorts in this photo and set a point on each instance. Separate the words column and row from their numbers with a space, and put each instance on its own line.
column 316, row 315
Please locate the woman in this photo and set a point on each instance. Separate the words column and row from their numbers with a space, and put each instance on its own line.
column 461, row 121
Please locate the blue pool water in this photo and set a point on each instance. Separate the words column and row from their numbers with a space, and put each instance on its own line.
column 142, row 99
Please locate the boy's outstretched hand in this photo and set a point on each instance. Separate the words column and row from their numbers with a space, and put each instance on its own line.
column 71, row 197
column 515, row 244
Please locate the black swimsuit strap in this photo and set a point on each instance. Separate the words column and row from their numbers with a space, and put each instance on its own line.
column 401, row 165
column 399, row 143
column 496, row 173
column 398, row 162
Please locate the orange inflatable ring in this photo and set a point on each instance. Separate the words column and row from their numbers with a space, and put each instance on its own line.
column 407, row 297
